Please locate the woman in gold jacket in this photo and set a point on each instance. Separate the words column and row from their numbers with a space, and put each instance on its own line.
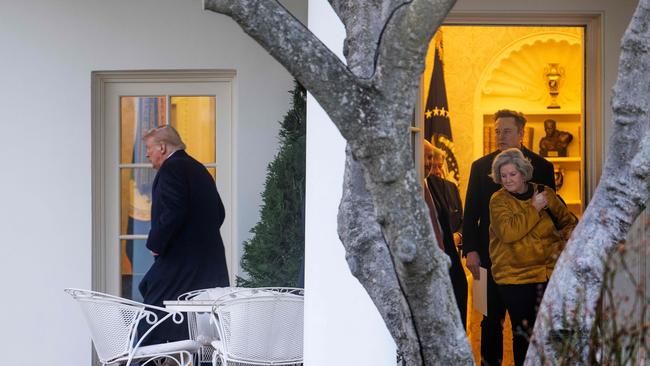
column 528, row 228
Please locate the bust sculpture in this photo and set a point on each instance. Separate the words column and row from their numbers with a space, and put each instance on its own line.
column 555, row 142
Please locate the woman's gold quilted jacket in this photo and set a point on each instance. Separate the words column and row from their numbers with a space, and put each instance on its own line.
column 524, row 244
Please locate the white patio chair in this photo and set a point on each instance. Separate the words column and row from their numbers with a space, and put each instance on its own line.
column 259, row 327
column 113, row 323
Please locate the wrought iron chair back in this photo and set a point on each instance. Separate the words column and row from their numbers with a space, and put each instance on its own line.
column 113, row 324
column 260, row 327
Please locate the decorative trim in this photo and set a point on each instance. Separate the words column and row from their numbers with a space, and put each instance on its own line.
column 524, row 50
column 163, row 76
column 98, row 236
column 97, row 181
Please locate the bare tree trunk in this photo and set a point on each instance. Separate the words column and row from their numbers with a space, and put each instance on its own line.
column 383, row 220
column 624, row 187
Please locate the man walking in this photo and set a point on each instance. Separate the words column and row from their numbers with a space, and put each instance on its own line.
column 186, row 214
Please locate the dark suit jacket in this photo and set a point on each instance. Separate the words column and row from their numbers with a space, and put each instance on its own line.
column 476, row 221
column 437, row 187
column 450, row 197
column 186, row 215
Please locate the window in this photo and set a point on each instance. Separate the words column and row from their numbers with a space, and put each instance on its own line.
column 194, row 118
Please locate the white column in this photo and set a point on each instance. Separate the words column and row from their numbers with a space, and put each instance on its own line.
column 342, row 325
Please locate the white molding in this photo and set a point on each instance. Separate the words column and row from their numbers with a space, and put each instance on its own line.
column 594, row 114
column 164, row 76
column 98, row 236
column 234, row 172
column 97, row 181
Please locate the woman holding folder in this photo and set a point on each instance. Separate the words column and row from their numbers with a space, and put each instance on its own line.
column 529, row 226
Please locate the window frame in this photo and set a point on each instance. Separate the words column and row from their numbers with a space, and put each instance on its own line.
column 100, row 80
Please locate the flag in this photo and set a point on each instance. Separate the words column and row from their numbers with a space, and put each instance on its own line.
column 437, row 124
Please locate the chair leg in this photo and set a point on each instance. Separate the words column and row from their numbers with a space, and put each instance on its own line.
column 164, row 360
column 186, row 358
column 217, row 360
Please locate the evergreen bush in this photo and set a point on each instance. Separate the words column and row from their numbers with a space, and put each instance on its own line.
column 274, row 256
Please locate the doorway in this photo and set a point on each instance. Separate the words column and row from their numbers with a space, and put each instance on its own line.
column 473, row 70
column 125, row 106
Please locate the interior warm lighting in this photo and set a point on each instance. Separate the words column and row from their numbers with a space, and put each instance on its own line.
column 525, row 68
column 194, row 117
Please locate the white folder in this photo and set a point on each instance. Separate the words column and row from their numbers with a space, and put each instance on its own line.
column 479, row 292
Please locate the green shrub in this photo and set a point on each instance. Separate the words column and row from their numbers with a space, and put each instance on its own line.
column 274, row 256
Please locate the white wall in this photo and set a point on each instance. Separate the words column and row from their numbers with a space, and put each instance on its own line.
column 342, row 325
column 48, row 51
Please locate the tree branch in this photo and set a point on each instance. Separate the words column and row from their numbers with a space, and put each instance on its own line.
column 314, row 65
column 404, row 43
column 363, row 20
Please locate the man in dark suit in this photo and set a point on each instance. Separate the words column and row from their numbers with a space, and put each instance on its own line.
column 509, row 129
column 186, row 214
column 441, row 215
column 448, row 191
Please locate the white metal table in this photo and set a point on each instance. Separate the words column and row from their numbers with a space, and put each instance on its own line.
column 198, row 308
column 190, row 306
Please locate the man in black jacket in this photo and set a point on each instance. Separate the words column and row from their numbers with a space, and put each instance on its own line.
column 509, row 129
column 446, row 215
column 186, row 214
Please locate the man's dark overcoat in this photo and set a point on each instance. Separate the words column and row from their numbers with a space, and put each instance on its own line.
column 186, row 215
column 448, row 192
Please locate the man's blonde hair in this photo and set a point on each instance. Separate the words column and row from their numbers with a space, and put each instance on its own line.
column 436, row 151
column 166, row 135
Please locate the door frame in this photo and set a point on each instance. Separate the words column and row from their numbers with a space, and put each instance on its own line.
column 99, row 82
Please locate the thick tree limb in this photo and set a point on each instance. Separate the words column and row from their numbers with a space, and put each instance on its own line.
column 404, row 45
column 383, row 149
column 621, row 195
column 362, row 34
column 422, row 269
column 370, row 260
column 314, row 65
